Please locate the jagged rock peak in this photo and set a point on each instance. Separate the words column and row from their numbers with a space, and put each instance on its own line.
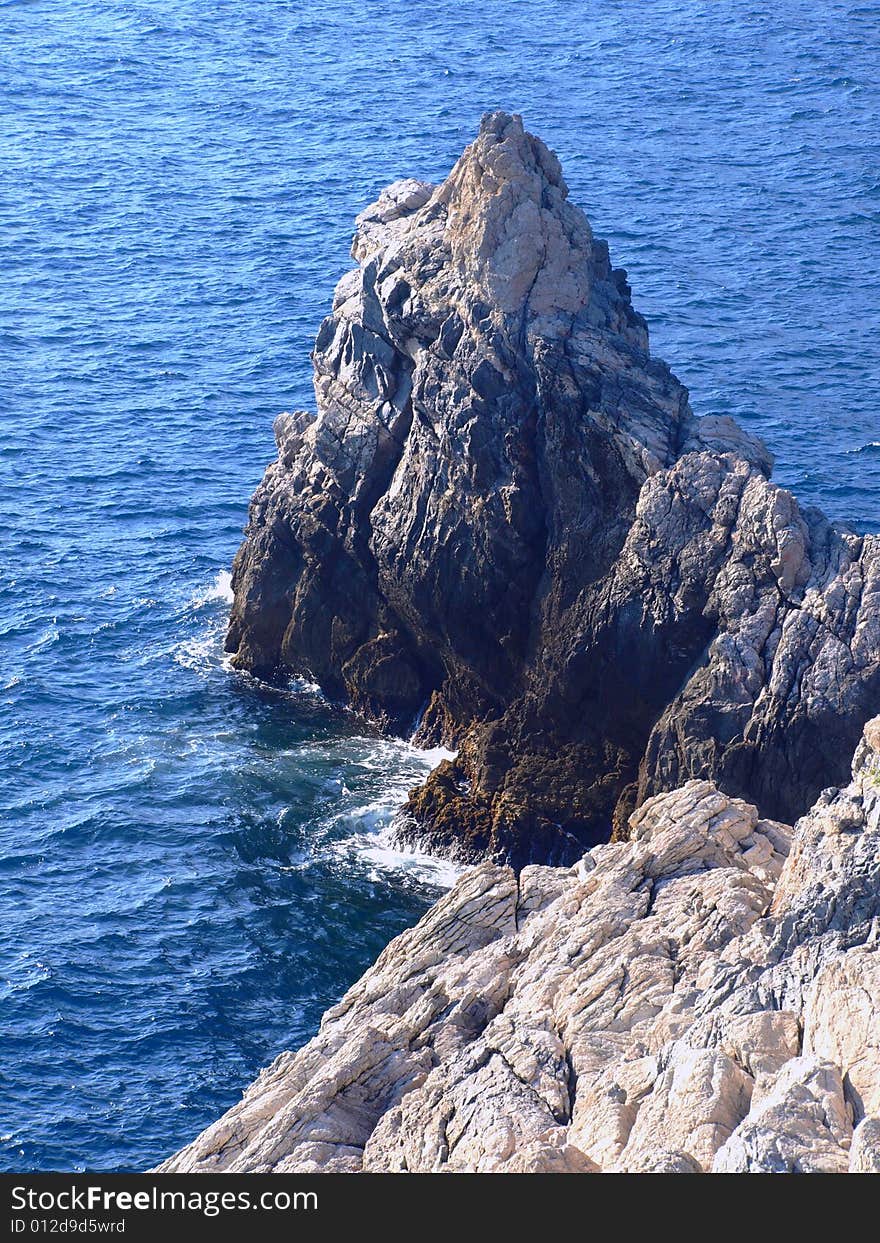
column 512, row 231
column 511, row 238
column 505, row 525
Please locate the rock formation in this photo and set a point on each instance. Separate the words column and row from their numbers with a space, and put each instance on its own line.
column 504, row 529
column 703, row 996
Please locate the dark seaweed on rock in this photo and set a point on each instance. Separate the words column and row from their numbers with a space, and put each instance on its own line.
column 505, row 529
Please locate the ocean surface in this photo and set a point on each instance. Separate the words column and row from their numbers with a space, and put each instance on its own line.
column 192, row 865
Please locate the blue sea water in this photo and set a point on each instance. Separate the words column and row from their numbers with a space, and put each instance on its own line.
column 191, row 864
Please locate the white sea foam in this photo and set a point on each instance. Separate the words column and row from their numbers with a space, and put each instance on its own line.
column 358, row 823
column 377, row 846
column 433, row 755
column 302, row 686
column 205, row 651
column 220, row 589
column 365, row 830
column 201, row 653
column 389, row 856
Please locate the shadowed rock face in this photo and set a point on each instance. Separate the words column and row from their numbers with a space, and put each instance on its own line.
column 504, row 529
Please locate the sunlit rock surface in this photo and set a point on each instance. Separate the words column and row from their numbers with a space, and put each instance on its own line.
column 703, row 996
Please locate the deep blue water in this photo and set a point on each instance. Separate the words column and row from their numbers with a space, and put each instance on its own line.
column 188, row 871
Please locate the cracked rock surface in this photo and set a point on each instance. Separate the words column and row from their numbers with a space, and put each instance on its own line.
column 702, row 996
column 505, row 529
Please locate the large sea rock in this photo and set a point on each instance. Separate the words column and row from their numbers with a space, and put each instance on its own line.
column 505, row 531
column 703, row 996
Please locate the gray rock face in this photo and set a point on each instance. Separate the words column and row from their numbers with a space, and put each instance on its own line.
column 505, row 529
column 703, row 996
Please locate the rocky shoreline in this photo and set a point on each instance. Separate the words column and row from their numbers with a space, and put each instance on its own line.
column 704, row 996
column 505, row 532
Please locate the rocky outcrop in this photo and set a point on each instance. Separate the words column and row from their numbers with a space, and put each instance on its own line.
column 703, row 996
column 505, row 530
